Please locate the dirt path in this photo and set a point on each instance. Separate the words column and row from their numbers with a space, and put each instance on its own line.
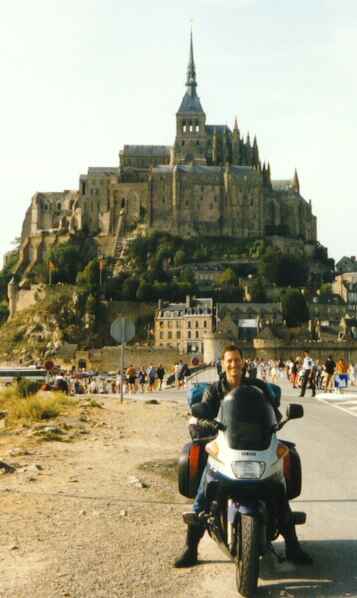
column 83, row 525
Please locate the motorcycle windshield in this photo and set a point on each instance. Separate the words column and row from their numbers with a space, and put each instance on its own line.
column 249, row 419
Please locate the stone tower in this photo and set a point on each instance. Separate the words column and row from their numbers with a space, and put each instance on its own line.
column 191, row 135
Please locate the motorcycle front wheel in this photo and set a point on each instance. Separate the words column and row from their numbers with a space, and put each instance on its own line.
column 247, row 566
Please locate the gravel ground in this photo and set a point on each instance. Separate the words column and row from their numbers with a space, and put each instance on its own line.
column 102, row 516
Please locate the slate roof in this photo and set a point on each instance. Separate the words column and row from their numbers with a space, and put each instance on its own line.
column 188, row 169
column 103, row 170
column 242, row 170
column 219, row 128
column 146, row 150
column 201, row 169
column 190, row 103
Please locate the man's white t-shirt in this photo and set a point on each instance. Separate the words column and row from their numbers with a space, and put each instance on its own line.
column 308, row 363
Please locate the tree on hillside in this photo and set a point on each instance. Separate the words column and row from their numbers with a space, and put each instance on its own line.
column 283, row 270
column 295, row 309
column 257, row 290
column 97, row 271
column 65, row 259
column 228, row 278
column 4, row 312
column 144, row 291
column 187, row 276
column 179, row 257
column 129, row 288
column 325, row 292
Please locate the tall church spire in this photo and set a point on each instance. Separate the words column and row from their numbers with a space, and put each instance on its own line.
column 191, row 134
column 191, row 82
column 191, row 101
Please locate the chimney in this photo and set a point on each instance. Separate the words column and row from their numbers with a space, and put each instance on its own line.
column 160, row 303
column 188, row 301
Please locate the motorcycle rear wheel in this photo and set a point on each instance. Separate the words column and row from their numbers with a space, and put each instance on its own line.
column 247, row 569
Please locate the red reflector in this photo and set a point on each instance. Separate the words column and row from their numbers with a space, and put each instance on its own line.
column 195, row 458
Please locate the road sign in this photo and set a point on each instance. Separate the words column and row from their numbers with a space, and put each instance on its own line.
column 122, row 330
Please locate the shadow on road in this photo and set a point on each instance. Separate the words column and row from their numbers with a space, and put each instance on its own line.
column 334, row 573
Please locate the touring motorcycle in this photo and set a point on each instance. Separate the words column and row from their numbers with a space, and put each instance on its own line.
column 248, row 470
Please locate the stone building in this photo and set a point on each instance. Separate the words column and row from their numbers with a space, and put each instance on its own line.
column 211, row 182
column 183, row 326
column 245, row 321
column 345, row 285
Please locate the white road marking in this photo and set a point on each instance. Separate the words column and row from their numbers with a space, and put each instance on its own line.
column 346, row 409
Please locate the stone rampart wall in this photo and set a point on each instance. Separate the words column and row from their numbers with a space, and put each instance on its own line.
column 108, row 359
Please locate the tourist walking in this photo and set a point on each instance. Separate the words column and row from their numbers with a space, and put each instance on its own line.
column 152, row 375
column 131, row 374
column 160, row 375
column 142, row 379
column 307, row 366
column 330, row 367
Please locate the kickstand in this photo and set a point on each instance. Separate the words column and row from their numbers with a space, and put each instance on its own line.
column 279, row 558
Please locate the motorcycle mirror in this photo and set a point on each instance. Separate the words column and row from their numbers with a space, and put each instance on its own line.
column 294, row 411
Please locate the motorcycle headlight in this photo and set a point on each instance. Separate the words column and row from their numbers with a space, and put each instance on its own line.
column 248, row 470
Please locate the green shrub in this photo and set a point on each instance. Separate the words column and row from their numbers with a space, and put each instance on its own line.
column 26, row 388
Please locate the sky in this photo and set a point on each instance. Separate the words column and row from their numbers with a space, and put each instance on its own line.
column 79, row 79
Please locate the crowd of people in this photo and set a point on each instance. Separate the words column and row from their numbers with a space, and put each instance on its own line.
column 129, row 381
column 303, row 372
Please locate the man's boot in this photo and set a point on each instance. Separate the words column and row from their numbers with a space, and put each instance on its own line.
column 189, row 556
column 294, row 553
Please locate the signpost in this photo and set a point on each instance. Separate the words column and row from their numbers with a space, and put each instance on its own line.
column 122, row 331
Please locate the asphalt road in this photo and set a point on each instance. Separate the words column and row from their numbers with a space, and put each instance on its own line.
column 327, row 441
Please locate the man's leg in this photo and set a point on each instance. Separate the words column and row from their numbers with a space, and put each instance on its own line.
column 200, row 502
column 195, row 527
column 313, row 386
column 304, row 382
column 294, row 552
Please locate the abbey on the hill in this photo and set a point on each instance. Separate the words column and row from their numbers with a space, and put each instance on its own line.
column 210, row 182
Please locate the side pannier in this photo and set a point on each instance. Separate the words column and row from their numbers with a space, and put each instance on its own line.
column 191, row 464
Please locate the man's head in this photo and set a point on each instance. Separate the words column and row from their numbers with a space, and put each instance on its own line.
column 232, row 362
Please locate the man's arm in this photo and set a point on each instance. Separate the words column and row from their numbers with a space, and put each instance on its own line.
column 209, row 406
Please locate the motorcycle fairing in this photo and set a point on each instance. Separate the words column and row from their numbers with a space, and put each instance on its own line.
column 221, row 486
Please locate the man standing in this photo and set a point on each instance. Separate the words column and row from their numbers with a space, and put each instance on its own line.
column 160, row 375
column 232, row 362
column 330, row 367
column 307, row 367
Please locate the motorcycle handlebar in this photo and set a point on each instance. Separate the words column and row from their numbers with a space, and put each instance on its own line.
column 213, row 423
